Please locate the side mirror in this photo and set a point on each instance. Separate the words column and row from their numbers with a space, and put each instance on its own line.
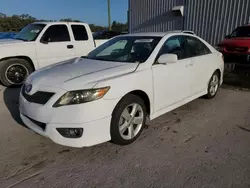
column 167, row 58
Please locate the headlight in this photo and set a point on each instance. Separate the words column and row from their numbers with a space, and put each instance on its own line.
column 81, row 96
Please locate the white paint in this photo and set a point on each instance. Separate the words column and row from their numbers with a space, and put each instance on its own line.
column 168, row 86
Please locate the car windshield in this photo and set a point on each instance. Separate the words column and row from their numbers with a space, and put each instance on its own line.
column 125, row 49
column 241, row 32
column 30, row 32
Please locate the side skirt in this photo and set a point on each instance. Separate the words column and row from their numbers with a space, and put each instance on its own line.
column 176, row 105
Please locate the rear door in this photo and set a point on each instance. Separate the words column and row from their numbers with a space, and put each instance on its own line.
column 203, row 63
column 83, row 42
column 55, row 45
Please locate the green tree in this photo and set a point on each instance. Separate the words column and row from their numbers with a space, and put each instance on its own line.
column 69, row 20
column 17, row 22
column 95, row 28
column 117, row 26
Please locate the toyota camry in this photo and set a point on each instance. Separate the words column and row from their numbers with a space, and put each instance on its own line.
column 108, row 94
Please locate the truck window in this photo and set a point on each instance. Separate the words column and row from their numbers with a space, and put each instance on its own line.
column 80, row 32
column 56, row 33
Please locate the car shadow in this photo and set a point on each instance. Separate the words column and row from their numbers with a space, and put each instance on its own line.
column 11, row 100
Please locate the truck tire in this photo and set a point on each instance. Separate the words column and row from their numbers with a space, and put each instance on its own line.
column 14, row 71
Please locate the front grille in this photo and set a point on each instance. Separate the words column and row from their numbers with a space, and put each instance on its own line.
column 39, row 124
column 40, row 97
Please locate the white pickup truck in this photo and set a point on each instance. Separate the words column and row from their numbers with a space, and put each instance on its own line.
column 42, row 44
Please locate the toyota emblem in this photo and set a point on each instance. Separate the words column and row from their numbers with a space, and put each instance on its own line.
column 28, row 88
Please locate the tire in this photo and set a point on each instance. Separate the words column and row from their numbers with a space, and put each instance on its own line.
column 14, row 71
column 134, row 122
column 213, row 86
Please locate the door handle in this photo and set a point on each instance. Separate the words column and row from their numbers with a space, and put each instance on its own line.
column 70, row 46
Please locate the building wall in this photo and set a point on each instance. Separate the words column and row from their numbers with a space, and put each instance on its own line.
column 154, row 15
column 209, row 19
column 213, row 19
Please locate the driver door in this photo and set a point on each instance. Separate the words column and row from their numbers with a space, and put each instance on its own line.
column 55, row 46
column 172, row 82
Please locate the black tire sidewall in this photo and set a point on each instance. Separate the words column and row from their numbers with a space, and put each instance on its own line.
column 6, row 63
column 114, row 127
column 209, row 96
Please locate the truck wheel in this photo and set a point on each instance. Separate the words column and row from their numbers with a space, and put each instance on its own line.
column 13, row 72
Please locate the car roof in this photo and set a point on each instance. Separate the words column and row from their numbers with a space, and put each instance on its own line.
column 159, row 34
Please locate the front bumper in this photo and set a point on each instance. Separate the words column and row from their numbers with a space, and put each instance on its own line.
column 94, row 133
column 93, row 117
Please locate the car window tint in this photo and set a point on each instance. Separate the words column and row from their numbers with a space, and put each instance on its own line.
column 174, row 45
column 57, row 33
column 195, row 47
column 79, row 32
column 243, row 31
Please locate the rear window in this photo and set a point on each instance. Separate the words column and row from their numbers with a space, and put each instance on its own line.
column 80, row 32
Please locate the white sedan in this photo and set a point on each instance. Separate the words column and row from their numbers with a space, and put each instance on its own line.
column 107, row 95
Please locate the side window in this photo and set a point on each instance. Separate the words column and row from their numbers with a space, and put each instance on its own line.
column 196, row 48
column 56, row 33
column 174, row 45
column 80, row 32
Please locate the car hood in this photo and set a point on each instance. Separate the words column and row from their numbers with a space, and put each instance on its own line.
column 80, row 71
column 10, row 41
column 240, row 42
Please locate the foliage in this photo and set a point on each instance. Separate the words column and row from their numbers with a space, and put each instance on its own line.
column 116, row 26
column 95, row 28
column 69, row 20
column 17, row 22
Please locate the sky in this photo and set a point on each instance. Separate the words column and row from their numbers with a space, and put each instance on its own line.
column 89, row 11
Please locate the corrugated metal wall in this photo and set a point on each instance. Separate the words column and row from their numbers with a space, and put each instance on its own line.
column 154, row 15
column 213, row 19
column 209, row 19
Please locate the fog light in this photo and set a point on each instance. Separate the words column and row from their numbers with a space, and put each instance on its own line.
column 70, row 132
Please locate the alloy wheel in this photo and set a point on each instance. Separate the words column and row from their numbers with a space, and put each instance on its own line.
column 16, row 73
column 214, row 84
column 131, row 121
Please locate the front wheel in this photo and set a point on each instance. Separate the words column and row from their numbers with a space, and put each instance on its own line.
column 128, row 120
column 213, row 86
column 13, row 72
